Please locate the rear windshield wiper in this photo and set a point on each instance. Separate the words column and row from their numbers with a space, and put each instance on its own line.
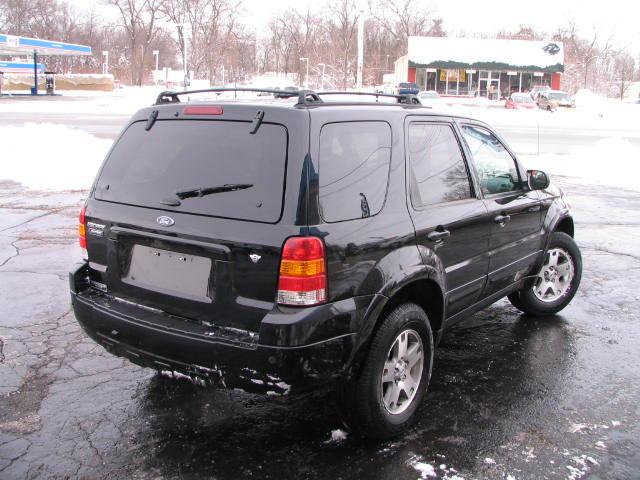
column 201, row 192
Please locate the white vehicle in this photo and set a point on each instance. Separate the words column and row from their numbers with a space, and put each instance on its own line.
column 430, row 98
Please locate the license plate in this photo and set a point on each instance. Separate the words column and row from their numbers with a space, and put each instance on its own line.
column 171, row 273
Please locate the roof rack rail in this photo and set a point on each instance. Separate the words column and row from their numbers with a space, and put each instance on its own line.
column 304, row 96
column 407, row 98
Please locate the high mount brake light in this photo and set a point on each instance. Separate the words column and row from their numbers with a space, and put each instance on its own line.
column 82, row 228
column 203, row 110
column 303, row 277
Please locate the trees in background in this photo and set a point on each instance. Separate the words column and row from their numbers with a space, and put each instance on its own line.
column 222, row 47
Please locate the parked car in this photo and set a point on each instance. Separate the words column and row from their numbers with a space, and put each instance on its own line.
column 430, row 98
column 404, row 88
column 553, row 99
column 538, row 89
column 283, row 245
column 519, row 101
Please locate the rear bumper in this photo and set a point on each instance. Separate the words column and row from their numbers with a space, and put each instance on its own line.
column 230, row 358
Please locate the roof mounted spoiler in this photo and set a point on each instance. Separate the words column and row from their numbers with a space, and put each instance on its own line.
column 305, row 97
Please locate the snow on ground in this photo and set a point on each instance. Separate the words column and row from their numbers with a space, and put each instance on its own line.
column 123, row 101
column 611, row 161
column 51, row 157
column 337, row 436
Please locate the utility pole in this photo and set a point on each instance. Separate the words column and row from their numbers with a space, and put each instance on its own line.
column 360, row 48
column 306, row 79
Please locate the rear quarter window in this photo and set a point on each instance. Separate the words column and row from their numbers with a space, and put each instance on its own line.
column 353, row 169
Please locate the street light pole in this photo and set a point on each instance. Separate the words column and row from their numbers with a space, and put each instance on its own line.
column 105, row 62
column 306, row 78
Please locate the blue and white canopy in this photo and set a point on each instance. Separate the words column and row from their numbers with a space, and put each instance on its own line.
column 14, row 45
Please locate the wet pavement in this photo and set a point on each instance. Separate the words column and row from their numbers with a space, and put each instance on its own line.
column 511, row 396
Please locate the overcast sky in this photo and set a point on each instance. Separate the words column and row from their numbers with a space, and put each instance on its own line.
column 620, row 18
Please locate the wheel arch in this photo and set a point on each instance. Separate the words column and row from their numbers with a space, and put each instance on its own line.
column 565, row 225
column 423, row 289
column 424, row 292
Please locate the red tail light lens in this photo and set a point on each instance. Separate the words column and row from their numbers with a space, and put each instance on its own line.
column 82, row 229
column 303, row 277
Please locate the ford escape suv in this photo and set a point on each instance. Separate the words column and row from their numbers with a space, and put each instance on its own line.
column 284, row 244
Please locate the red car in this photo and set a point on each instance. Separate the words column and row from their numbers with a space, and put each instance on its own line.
column 520, row 101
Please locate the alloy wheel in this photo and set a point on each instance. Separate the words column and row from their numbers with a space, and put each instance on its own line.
column 554, row 279
column 402, row 372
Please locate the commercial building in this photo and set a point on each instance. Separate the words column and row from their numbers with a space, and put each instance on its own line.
column 480, row 67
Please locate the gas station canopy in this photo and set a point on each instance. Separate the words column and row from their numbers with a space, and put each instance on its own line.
column 13, row 45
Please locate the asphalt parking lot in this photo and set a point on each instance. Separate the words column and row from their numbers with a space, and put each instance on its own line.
column 511, row 396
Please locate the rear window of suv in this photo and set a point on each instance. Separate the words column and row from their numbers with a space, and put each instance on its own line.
column 148, row 168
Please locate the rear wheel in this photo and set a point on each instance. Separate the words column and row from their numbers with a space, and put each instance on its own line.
column 557, row 281
column 382, row 400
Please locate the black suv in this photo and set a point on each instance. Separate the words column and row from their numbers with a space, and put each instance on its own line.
column 280, row 245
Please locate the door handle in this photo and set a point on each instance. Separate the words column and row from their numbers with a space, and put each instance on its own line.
column 502, row 219
column 438, row 235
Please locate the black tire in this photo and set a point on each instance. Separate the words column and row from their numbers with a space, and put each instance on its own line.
column 526, row 300
column 361, row 397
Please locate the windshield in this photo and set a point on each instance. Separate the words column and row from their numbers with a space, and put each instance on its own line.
column 522, row 99
column 156, row 168
column 558, row 96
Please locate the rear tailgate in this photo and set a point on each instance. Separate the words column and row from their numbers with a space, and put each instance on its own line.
column 209, row 257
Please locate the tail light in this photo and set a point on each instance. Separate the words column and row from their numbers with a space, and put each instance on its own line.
column 303, row 276
column 82, row 229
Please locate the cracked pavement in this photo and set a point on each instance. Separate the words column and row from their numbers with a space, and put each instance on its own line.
column 510, row 395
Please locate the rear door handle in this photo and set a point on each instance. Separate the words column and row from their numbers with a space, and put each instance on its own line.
column 502, row 219
column 438, row 235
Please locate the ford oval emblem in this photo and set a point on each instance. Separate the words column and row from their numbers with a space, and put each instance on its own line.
column 165, row 221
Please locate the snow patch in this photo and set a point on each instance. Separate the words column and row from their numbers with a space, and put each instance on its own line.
column 426, row 470
column 610, row 161
column 51, row 157
column 489, row 461
column 337, row 436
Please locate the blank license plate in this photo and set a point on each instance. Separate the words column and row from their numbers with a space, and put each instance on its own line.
column 172, row 273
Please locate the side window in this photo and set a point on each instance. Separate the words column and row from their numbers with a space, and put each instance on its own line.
column 438, row 171
column 496, row 167
column 354, row 169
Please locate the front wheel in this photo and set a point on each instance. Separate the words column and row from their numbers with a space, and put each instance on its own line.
column 381, row 402
column 557, row 281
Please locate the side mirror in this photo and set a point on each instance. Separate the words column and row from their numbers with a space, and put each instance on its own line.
column 537, row 179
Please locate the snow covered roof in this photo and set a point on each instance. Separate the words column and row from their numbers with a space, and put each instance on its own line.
column 12, row 45
column 486, row 54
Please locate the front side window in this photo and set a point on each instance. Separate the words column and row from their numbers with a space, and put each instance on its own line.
column 496, row 167
column 438, row 171
column 353, row 169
